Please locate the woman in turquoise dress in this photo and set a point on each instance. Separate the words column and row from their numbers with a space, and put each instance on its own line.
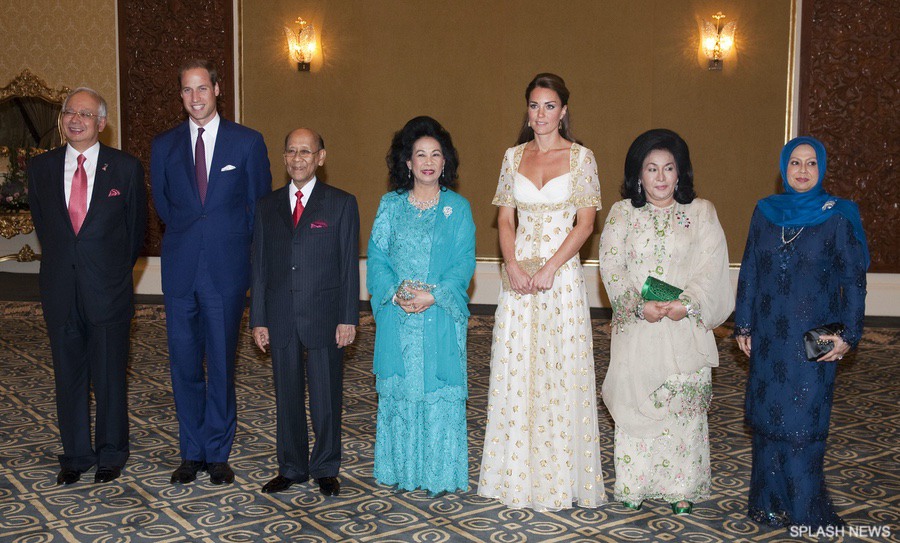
column 420, row 261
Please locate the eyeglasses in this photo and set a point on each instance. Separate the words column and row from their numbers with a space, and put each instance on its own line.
column 302, row 153
column 83, row 115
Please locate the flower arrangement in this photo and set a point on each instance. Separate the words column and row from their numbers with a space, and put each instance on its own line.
column 14, row 177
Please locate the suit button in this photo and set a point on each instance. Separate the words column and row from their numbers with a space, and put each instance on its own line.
column 203, row 216
column 293, row 268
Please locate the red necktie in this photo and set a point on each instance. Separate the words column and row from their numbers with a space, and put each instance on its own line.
column 200, row 165
column 78, row 196
column 298, row 208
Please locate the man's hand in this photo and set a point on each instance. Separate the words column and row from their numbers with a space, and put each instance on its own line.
column 344, row 335
column 261, row 337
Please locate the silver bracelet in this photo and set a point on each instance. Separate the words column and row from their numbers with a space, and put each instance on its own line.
column 639, row 311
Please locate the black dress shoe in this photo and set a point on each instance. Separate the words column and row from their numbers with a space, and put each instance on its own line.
column 107, row 474
column 220, row 473
column 329, row 486
column 278, row 484
column 68, row 476
column 187, row 471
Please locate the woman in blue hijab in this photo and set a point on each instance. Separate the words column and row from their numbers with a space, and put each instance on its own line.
column 804, row 266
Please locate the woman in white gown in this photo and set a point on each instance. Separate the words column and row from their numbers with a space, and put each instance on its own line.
column 541, row 447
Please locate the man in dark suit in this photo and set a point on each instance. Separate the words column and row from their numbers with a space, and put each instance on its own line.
column 207, row 174
column 89, row 206
column 305, row 297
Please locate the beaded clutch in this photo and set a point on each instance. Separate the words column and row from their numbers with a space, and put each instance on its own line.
column 408, row 285
column 529, row 265
column 657, row 290
column 814, row 345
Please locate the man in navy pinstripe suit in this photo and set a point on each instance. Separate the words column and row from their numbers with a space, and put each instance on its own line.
column 305, row 299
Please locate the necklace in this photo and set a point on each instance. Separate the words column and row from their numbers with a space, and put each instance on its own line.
column 660, row 230
column 783, row 242
column 422, row 206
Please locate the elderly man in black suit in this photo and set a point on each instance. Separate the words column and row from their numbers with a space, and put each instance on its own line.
column 305, row 297
column 89, row 206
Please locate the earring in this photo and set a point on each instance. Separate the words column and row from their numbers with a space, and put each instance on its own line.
column 442, row 171
column 560, row 127
column 410, row 172
column 676, row 184
column 640, row 187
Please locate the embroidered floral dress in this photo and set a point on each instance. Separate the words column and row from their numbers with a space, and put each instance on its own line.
column 421, row 438
column 541, row 447
column 658, row 386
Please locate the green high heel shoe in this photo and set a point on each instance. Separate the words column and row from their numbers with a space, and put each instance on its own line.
column 679, row 510
column 633, row 506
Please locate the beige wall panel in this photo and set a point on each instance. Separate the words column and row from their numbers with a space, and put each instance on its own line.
column 71, row 43
column 630, row 66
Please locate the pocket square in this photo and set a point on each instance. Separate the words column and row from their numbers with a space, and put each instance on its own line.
column 228, row 168
column 318, row 224
column 113, row 192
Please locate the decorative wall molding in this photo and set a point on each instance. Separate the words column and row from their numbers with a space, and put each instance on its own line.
column 849, row 100
column 155, row 38
column 28, row 84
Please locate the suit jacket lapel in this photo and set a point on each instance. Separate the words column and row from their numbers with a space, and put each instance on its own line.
column 183, row 155
column 315, row 202
column 221, row 154
column 59, row 182
column 283, row 207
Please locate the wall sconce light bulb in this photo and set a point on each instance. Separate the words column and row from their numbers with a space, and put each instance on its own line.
column 717, row 40
column 301, row 43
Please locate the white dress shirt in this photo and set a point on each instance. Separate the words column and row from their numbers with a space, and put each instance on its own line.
column 306, row 190
column 210, row 131
column 90, row 168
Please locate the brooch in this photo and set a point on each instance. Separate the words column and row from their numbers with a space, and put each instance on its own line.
column 828, row 205
column 447, row 211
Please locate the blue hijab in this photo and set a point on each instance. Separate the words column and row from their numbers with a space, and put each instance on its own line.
column 798, row 209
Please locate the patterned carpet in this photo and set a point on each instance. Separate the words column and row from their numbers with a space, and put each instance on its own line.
column 863, row 461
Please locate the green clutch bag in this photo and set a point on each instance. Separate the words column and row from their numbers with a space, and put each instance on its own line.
column 657, row 290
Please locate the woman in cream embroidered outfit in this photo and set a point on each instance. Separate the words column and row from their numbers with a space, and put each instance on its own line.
column 541, row 447
column 658, row 385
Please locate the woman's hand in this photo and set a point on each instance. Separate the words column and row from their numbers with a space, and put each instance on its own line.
column 418, row 303
column 675, row 310
column 841, row 348
column 654, row 311
column 744, row 343
column 519, row 281
column 543, row 279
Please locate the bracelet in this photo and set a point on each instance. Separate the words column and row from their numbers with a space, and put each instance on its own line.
column 639, row 311
column 688, row 304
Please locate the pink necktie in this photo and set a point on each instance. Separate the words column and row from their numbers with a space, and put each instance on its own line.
column 78, row 196
column 200, row 165
column 298, row 208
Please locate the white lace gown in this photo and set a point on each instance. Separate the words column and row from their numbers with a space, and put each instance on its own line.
column 541, row 447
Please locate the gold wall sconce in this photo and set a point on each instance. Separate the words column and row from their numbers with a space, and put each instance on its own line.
column 301, row 43
column 717, row 41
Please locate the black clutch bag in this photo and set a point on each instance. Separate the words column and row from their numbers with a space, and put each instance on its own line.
column 815, row 345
